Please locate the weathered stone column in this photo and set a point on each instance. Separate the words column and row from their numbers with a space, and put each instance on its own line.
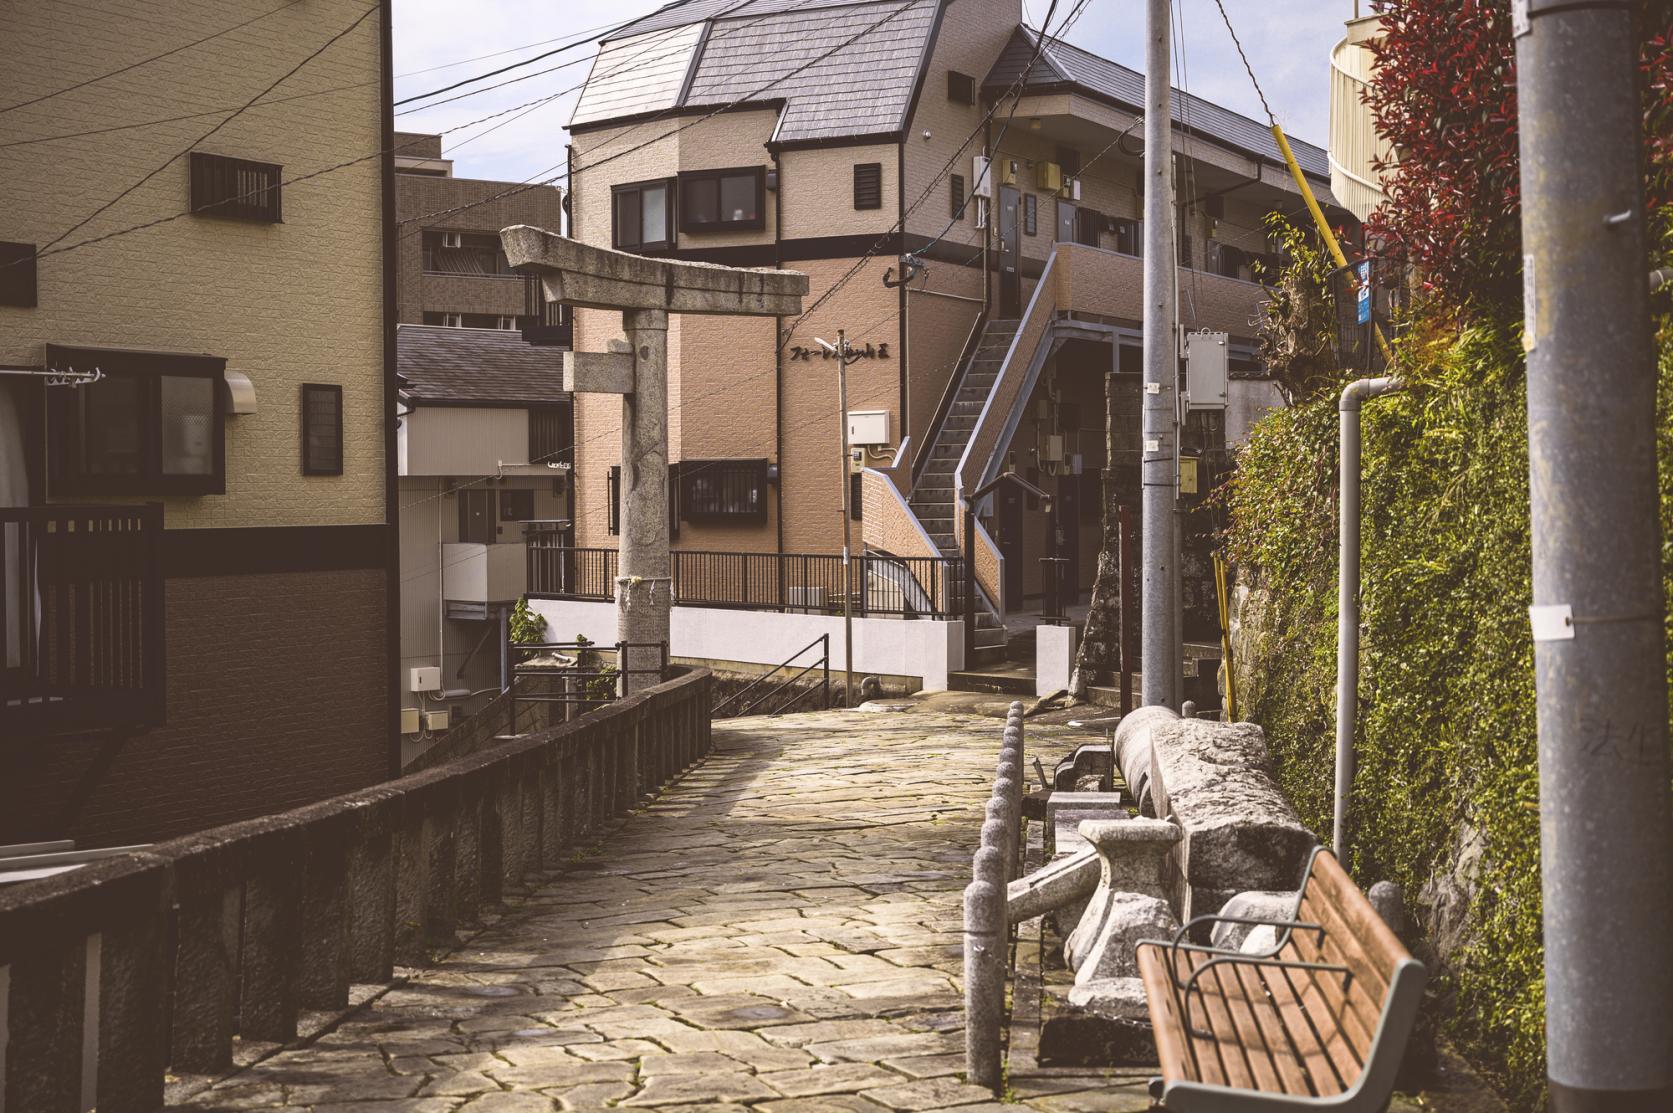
column 645, row 584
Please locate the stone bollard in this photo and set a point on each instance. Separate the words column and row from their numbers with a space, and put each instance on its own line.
column 985, row 935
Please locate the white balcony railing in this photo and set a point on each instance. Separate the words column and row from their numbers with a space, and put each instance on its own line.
column 1355, row 146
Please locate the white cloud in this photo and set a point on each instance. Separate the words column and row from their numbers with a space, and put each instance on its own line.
column 1288, row 42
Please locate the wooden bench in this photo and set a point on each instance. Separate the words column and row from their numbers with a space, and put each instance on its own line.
column 1320, row 1021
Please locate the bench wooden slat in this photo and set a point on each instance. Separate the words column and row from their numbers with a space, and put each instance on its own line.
column 1331, row 882
column 1164, row 1014
column 1251, row 1038
column 1330, row 1020
column 1356, row 1005
column 1292, row 1075
column 1303, row 1035
column 1208, row 1010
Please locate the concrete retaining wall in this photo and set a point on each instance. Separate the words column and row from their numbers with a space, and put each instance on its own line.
column 155, row 961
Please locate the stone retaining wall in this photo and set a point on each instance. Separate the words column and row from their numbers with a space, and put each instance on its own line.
column 129, row 967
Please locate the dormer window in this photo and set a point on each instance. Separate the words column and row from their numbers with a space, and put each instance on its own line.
column 720, row 200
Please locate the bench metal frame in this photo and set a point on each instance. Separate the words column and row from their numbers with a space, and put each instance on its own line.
column 1370, row 1091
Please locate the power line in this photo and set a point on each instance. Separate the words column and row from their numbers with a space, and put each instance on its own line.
column 1250, row 70
column 529, row 61
column 501, row 53
column 900, row 224
column 523, row 187
column 177, row 155
column 147, row 61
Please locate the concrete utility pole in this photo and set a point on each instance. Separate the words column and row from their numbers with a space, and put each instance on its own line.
column 1606, row 820
column 1161, row 651
column 646, row 291
column 843, row 357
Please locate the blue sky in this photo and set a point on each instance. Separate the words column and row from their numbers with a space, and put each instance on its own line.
column 1288, row 42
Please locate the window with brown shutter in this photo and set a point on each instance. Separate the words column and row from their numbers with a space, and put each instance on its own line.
column 235, row 188
column 868, row 185
column 322, row 429
column 956, row 196
column 961, row 87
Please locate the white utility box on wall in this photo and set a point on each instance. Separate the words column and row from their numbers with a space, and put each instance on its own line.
column 868, row 427
column 426, row 678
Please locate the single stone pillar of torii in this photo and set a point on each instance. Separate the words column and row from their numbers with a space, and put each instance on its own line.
column 645, row 291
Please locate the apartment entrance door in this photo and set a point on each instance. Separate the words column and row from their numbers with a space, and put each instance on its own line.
column 1010, row 252
column 1009, row 500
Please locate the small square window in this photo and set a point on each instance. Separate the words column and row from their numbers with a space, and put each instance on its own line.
column 17, row 274
column 322, row 429
column 235, row 188
column 961, row 87
column 516, row 505
column 723, row 490
column 868, row 185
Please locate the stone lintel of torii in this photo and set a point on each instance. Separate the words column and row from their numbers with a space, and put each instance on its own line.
column 645, row 291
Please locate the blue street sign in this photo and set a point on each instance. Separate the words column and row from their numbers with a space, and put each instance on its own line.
column 1362, row 271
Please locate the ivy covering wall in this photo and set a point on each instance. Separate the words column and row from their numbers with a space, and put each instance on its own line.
column 1446, row 798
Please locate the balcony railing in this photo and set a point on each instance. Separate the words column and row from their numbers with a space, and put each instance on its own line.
column 81, row 618
column 884, row 585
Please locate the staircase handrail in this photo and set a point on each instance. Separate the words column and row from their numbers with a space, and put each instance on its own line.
column 823, row 661
column 932, row 433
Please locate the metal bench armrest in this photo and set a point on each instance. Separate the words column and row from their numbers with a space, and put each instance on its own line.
column 1258, row 921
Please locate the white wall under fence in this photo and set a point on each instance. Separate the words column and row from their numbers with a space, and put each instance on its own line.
column 919, row 648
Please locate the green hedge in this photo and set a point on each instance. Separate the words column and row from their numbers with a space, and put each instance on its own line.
column 1447, row 727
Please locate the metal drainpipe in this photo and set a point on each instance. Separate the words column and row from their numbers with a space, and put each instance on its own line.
column 1347, row 595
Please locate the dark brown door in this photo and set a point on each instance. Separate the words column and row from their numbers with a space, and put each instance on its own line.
column 1010, row 253
column 1009, row 505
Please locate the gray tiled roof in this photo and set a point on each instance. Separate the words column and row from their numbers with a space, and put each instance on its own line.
column 458, row 365
column 1061, row 63
column 754, row 51
column 861, row 89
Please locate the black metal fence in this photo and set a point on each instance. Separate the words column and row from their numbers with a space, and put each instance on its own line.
column 577, row 675
column 1368, row 294
column 880, row 584
column 81, row 618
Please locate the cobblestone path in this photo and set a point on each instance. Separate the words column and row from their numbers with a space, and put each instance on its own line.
column 778, row 931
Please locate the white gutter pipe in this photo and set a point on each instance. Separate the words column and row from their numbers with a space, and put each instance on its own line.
column 1347, row 595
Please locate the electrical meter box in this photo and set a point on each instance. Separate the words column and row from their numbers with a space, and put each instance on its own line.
column 1207, row 361
column 426, row 678
column 868, row 427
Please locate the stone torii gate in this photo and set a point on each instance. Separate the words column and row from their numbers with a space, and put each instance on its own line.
column 646, row 291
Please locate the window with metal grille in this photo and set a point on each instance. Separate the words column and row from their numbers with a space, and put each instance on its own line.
column 961, row 87
column 322, row 429
column 551, row 434
column 235, row 188
column 955, row 185
column 17, row 274
column 1030, row 214
column 868, row 185
column 723, row 490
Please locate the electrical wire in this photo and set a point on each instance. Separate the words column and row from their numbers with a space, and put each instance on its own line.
column 1247, row 68
column 146, row 61
column 608, row 31
column 361, row 18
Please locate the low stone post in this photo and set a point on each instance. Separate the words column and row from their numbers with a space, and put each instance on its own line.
column 270, row 966
column 206, row 872
column 371, row 885
column 322, row 980
column 985, row 937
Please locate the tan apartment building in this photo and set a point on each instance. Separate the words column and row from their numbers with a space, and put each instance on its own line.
column 197, row 459
column 863, row 140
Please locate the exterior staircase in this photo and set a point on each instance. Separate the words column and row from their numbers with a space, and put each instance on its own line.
column 932, row 494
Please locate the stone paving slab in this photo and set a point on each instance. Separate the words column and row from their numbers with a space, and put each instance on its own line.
column 778, row 932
